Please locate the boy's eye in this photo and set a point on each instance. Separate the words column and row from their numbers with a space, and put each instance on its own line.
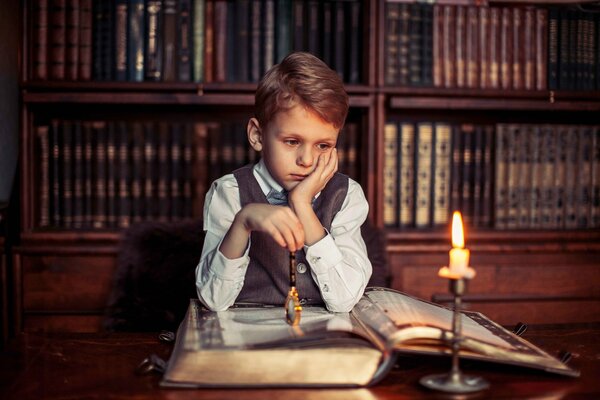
column 324, row 146
column 291, row 142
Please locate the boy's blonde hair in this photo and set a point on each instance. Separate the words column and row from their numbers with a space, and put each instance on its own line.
column 301, row 79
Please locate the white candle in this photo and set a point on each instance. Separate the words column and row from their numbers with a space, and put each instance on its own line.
column 459, row 256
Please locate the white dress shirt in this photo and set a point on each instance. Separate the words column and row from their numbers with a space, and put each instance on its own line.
column 338, row 262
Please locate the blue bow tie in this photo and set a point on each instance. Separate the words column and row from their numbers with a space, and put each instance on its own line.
column 277, row 198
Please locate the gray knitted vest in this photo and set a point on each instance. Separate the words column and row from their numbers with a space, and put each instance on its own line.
column 267, row 277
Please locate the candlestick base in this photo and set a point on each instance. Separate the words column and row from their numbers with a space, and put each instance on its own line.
column 454, row 383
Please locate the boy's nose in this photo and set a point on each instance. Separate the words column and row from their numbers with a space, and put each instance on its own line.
column 305, row 157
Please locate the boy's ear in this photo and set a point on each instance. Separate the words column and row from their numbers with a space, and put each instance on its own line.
column 254, row 134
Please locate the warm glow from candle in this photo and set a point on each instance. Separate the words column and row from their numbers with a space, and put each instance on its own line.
column 458, row 237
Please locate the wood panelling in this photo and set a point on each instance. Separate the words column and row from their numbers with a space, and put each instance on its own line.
column 62, row 323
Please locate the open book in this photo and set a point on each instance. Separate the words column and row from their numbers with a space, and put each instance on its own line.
column 254, row 346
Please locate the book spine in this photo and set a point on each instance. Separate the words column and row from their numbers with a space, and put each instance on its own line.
column 232, row 44
column 184, row 40
column 460, row 45
column 44, row 188
column 584, row 180
column 456, row 169
column 137, row 172
column 392, row 39
column 103, row 41
column 242, row 37
column 135, row 41
column 415, row 45
column 149, row 191
column 220, row 36
column 403, row 45
column 56, row 173
column 67, row 174
column 112, row 183
column 529, row 49
column 517, row 48
column 255, row 43
column 283, row 32
column 339, row 43
column 169, row 62
column 355, row 45
column 506, row 52
column 515, row 141
column 548, row 152
column 298, row 27
column 311, row 10
column 407, row 175
column 99, row 213
column 501, row 181
column 327, row 32
column 542, row 64
column 423, row 178
column 487, row 176
column 57, row 39
column 199, row 38
column 85, row 40
column 164, row 171
column 176, row 171
column 571, row 177
column 467, row 132
column 268, row 35
column 536, row 172
column 494, row 47
column 484, row 51
column 564, row 68
column 524, row 177
column 125, row 182
column 560, row 177
column 187, row 187
column 78, row 176
column 40, row 40
column 88, row 173
column 72, row 39
column 121, row 36
column 553, row 43
column 390, row 178
column 441, row 189
column 200, row 166
column 154, row 44
column 472, row 49
column 438, row 52
column 478, row 169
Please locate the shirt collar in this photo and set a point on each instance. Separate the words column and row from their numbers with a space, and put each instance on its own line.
column 264, row 178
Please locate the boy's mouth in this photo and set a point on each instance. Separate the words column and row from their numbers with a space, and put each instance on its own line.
column 298, row 177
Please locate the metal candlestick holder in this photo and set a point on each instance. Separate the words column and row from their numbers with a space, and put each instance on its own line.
column 455, row 381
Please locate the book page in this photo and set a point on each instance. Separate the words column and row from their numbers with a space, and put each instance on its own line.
column 406, row 311
column 248, row 327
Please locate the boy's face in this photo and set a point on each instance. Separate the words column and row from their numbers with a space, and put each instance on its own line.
column 292, row 143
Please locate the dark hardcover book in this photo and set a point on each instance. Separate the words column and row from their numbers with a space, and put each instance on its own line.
column 268, row 35
column 255, row 28
column 529, row 48
column 220, row 40
column 283, row 29
column 298, row 39
column 516, row 141
column 518, row 50
column 535, row 200
column 153, row 56
column 103, row 40
column 137, row 172
column 42, row 133
column 487, row 182
column 85, row 40
column 199, row 40
column 112, row 178
column 501, row 180
column 355, row 47
column 524, row 180
column 175, row 183
column 564, row 48
column 585, row 181
column 88, row 173
column 456, row 166
column 209, row 40
column 187, row 185
column 232, row 45
column 312, row 13
column 506, row 51
column 392, row 44
column 560, row 176
column 78, row 175
column 150, row 168
column 170, row 41
column 242, row 53
column 56, row 173
column 472, row 48
column 67, row 173
column 339, row 43
column 214, row 146
column 553, row 44
column 483, row 54
column 427, row 47
column 40, row 40
column 493, row 45
column 460, row 61
column 227, row 146
column 467, row 131
column 125, row 190
column 542, row 65
column 199, row 167
column 438, row 40
column 448, row 46
column 121, row 39
column 72, row 40
column 415, row 45
column 135, row 40
column 164, row 171
column 99, row 200
column 580, row 63
column 477, row 173
column 327, row 33
column 57, row 39
column 572, row 178
column 184, row 40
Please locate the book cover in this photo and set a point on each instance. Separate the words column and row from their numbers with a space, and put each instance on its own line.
column 40, row 40
column 169, row 40
column 220, row 40
column 407, row 172
column 153, row 56
column 121, row 40
column 184, row 40
column 424, row 163
column 100, row 178
column 57, row 39
column 390, row 178
column 42, row 133
column 72, row 22
column 541, row 48
column 85, row 40
column 198, row 38
column 283, row 29
column 253, row 346
column 135, row 40
column 441, row 175
column 112, row 175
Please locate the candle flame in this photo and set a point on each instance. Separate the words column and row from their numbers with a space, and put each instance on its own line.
column 458, row 238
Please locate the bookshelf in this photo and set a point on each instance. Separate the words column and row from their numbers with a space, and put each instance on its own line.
column 63, row 269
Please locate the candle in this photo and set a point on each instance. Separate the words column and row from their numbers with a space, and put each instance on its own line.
column 459, row 256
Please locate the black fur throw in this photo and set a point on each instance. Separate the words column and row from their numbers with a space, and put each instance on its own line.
column 155, row 276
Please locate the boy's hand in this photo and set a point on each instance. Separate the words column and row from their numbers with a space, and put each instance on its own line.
column 279, row 222
column 305, row 191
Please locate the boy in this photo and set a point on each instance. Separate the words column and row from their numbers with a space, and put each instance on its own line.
column 300, row 107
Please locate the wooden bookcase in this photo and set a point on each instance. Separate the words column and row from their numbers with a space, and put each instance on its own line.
column 62, row 277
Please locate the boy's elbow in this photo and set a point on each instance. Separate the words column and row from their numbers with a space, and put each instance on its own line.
column 210, row 302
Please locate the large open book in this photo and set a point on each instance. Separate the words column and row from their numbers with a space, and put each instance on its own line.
column 254, row 346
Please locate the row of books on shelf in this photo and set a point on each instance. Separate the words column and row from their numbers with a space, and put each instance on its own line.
column 189, row 40
column 505, row 176
column 520, row 48
column 109, row 174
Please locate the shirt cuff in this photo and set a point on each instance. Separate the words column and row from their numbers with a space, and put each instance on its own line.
column 230, row 269
column 323, row 255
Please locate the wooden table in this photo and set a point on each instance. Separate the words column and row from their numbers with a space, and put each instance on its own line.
column 74, row 366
